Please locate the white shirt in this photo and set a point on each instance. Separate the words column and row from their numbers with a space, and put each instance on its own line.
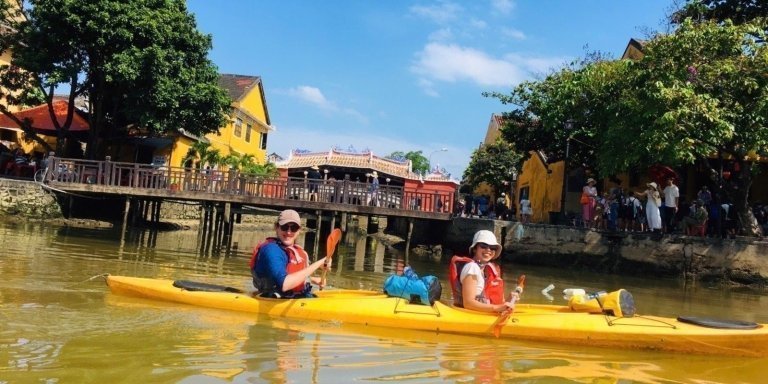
column 671, row 193
column 525, row 207
column 473, row 269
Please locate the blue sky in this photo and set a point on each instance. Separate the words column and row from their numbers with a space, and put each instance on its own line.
column 395, row 75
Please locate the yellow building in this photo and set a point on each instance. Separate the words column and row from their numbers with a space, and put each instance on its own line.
column 542, row 184
column 9, row 137
column 246, row 131
column 491, row 135
column 538, row 180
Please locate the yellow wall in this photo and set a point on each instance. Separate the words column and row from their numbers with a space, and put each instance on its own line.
column 544, row 187
column 250, row 109
column 492, row 133
column 179, row 150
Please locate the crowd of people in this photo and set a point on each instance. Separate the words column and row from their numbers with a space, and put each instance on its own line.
column 662, row 210
column 483, row 207
column 16, row 162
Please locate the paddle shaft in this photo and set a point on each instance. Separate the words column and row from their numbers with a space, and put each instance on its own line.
column 504, row 316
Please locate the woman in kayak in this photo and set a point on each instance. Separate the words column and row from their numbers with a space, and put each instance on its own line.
column 476, row 282
column 280, row 267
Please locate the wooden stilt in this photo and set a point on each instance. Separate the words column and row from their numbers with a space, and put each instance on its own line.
column 408, row 239
column 318, row 231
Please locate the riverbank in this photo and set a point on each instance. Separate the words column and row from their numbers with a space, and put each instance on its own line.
column 735, row 262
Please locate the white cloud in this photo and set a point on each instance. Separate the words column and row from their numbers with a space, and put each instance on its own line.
column 513, row 33
column 477, row 23
column 442, row 34
column 441, row 13
column 536, row 64
column 314, row 96
column 452, row 63
column 503, row 6
column 428, row 87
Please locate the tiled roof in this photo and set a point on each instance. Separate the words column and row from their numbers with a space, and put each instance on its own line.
column 237, row 85
column 364, row 160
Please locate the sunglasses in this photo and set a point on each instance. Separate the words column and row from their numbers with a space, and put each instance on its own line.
column 484, row 246
column 293, row 227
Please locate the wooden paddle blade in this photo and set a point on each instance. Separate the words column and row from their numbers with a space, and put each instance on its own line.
column 333, row 239
column 520, row 284
column 330, row 247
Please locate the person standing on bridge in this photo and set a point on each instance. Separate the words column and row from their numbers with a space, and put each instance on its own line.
column 280, row 268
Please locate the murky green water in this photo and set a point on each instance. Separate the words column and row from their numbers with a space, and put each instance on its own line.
column 56, row 326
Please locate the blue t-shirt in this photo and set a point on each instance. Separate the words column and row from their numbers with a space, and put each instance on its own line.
column 272, row 264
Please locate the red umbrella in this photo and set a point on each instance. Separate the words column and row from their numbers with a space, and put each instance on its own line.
column 660, row 174
column 41, row 118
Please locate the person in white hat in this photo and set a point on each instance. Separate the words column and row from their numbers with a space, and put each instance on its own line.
column 280, row 267
column 652, row 204
column 478, row 285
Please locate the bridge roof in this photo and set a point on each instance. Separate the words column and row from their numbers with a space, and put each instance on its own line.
column 362, row 160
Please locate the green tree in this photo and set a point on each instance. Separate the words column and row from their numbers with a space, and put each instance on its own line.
column 212, row 158
column 232, row 160
column 738, row 11
column 582, row 92
column 196, row 154
column 419, row 163
column 492, row 164
column 138, row 63
column 702, row 93
column 267, row 170
column 698, row 94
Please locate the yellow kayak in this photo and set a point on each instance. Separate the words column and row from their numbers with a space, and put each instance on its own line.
column 552, row 323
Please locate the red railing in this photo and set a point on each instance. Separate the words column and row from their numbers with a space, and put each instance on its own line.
column 233, row 182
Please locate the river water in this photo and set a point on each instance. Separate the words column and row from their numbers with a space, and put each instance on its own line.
column 57, row 325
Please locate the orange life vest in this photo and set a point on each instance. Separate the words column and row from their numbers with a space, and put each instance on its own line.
column 297, row 260
column 493, row 290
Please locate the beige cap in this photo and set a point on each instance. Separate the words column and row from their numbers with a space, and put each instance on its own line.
column 289, row 216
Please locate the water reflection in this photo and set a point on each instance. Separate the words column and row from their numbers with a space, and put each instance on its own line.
column 60, row 327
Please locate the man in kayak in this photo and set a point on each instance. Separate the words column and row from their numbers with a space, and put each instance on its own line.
column 476, row 282
column 280, row 268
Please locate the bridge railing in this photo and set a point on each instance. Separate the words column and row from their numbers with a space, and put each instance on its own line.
column 233, row 182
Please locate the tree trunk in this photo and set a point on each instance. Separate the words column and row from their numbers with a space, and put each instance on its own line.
column 737, row 189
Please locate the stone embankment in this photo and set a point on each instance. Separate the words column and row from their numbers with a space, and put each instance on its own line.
column 741, row 261
column 27, row 199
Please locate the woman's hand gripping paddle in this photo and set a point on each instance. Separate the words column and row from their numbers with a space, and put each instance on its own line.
column 504, row 317
column 330, row 247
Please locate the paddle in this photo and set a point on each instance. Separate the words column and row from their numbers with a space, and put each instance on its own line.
column 330, row 247
column 504, row 316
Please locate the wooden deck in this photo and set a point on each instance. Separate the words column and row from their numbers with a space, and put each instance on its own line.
column 175, row 183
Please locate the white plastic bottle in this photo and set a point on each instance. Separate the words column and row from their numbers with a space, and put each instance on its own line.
column 570, row 292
